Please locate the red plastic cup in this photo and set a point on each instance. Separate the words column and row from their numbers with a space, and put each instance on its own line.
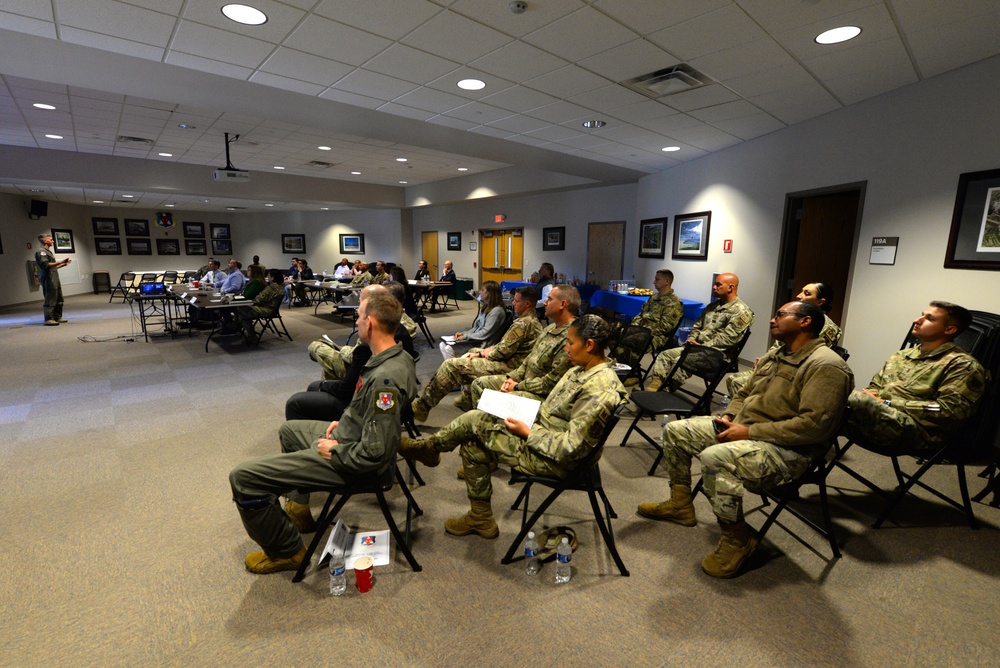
column 363, row 573
column 195, row 284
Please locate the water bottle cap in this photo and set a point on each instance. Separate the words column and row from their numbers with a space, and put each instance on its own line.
column 531, row 534
column 565, row 540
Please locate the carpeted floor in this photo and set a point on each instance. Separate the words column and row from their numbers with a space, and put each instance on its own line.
column 121, row 546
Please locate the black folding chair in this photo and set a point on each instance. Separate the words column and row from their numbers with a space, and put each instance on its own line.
column 585, row 478
column 633, row 342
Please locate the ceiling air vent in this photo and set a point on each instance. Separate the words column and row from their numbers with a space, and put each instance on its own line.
column 670, row 81
column 319, row 163
column 125, row 139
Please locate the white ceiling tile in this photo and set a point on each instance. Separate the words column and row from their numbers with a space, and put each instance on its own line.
column 27, row 25
column 762, row 54
column 520, row 123
column 226, row 47
column 28, row 8
column 518, row 61
column 671, row 125
column 303, row 66
column 411, row 64
column 478, row 113
column 281, row 19
column 590, row 142
column 455, row 37
column 449, row 83
column 774, row 79
column 856, row 86
column 408, row 112
column 88, row 93
column 286, row 83
column 165, row 6
column 698, row 98
column 723, row 112
column 107, row 43
column 115, row 18
column 953, row 45
column 553, row 133
column 797, row 108
column 629, row 60
column 498, row 15
column 708, row 33
column 884, row 53
column 704, row 137
column 581, row 34
column 207, row 65
column 642, row 111
column 560, row 112
column 390, row 18
column 878, row 26
column 490, row 131
column 566, row 82
column 608, row 98
column 429, row 99
column 519, row 98
column 373, row 84
column 780, row 15
column 647, row 17
column 348, row 97
column 749, row 127
column 336, row 41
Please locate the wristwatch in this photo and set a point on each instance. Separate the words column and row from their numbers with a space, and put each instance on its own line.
column 887, row 402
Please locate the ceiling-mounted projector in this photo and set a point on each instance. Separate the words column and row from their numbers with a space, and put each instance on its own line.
column 232, row 175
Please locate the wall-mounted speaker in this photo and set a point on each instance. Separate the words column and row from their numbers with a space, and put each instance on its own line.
column 39, row 209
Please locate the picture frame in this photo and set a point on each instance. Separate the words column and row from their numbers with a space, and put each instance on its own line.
column 105, row 227
column 139, row 246
column 653, row 237
column 136, row 227
column 194, row 230
column 220, row 230
column 974, row 238
column 195, row 247
column 352, row 244
column 62, row 241
column 222, row 247
column 473, row 246
column 293, row 243
column 109, row 246
column 168, row 247
column 691, row 236
column 454, row 241
column 553, row 238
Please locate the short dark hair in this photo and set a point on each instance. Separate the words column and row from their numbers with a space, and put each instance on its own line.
column 547, row 266
column 386, row 309
column 397, row 290
column 592, row 327
column 528, row 293
column 276, row 275
column 571, row 295
column 818, row 318
column 666, row 273
column 958, row 316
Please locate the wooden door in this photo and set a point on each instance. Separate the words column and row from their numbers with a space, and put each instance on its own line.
column 605, row 253
column 501, row 255
column 429, row 252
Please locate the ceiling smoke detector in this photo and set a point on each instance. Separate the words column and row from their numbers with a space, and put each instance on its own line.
column 518, row 7
column 670, row 81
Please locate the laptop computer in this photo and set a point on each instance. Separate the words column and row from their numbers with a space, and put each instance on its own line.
column 152, row 289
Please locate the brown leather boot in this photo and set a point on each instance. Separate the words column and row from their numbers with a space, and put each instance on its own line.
column 479, row 520
column 419, row 450
column 735, row 545
column 301, row 516
column 261, row 564
column 678, row 509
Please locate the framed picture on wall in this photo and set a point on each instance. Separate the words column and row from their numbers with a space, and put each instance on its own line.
column 691, row 236
column 553, row 238
column 136, row 227
column 473, row 246
column 220, row 230
column 105, row 226
column 108, row 246
column 653, row 238
column 62, row 241
column 222, row 247
column 195, row 247
column 168, row 247
column 293, row 243
column 194, row 230
column 454, row 241
column 352, row 244
column 974, row 240
column 139, row 246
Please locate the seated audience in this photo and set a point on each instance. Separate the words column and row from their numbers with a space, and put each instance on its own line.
column 922, row 394
column 448, row 276
column 256, row 282
column 214, row 275
column 315, row 453
column 569, row 425
column 660, row 314
column 256, row 263
column 293, row 271
column 204, row 269
column 786, row 415
column 235, row 281
column 380, row 275
column 265, row 304
column 487, row 326
column 363, row 276
column 344, row 269
column 422, row 273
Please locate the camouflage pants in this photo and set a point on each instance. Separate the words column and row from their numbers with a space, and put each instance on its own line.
column 736, row 381
column 459, row 371
column 726, row 468
column 665, row 361
column 494, row 383
column 334, row 362
column 884, row 426
column 484, row 440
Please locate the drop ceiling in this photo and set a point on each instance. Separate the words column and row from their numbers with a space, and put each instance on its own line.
column 375, row 80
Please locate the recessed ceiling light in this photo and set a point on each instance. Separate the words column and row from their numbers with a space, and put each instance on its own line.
column 35, row 190
column 204, row 201
column 128, row 196
column 471, row 84
column 324, row 208
column 186, row 126
column 356, row 173
column 403, row 182
column 169, row 205
column 594, row 124
column 324, row 148
column 400, row 159
column 243, row 14
column 268, row 205
column 39, row 105
column 98, row 201
column 838, row 35
column 54, row 136
column 166, row 155
column 278, row 167
column 463, row 169
column 669, row 149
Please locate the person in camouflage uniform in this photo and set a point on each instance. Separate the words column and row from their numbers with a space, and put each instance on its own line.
column 48, row 276
column 380, row 275
column 922, row 394
column 661, row 313
column 265, row 304
column 363, row 277
column 722, row 324
column 501, row 358
column 819, row 294
column 569, row 425
column 783, row 418
column 547, row 361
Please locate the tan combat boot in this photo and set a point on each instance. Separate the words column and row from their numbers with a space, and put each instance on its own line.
column 735, row 545
column 678, row 509
column 420, row 409
column 261, row 564
column 479, row 520
column 420, row 450
column 301, row 516
column 462, row 403
column 654, row 384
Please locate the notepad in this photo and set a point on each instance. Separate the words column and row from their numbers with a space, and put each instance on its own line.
column 505, row 405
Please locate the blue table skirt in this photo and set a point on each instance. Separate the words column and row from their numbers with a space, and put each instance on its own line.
column 631, row 305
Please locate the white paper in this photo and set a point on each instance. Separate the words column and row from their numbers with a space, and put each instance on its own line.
column 448, row 339
column 374, row 544
column 505, row 405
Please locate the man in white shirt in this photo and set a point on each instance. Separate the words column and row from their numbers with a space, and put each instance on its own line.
column 343, row 269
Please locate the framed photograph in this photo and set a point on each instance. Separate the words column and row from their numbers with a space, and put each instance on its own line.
column 195, row 247
column 222, row 247
column 194, row 230
column 653, row 237
column 168, row 247
column 105, row 226
column 691, row 236
column 136, row 227
column 473, row 246
column 108, row 246
column 454, row 241
column 974, row 241
column 62, row 241
column 139, row 246
column 352, row 244
column 293, row 243
column 220, row 230
column 553, row 238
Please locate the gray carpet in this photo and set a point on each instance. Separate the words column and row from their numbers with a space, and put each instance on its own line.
column 122, row 547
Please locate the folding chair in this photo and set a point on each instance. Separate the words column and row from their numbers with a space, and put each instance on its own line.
column 169, row 277
column 585, row 478
column 670, row 343
column 633, row 342
column 377, row 484
column 123, row 287
column 267, row 322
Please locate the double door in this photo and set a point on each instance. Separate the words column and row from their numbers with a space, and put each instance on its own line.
column 501, row 255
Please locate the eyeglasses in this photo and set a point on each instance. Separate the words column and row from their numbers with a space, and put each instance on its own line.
column 782, row 314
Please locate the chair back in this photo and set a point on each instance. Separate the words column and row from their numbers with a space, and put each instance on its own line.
column 148, row 278
column 633, row 342
column 190, row 275
column 842, row 351
column 170, row 277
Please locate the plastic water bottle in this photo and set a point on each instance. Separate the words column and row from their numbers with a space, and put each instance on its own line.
column 725, row 404
column 564, row 554
column 531, row 554
column 338, row 579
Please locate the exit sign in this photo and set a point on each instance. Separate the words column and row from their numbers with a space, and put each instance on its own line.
column 499, row 218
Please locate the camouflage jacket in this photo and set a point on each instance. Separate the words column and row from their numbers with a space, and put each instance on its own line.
column 661, row 314
column 517, row 342
column 361, row 278
column 722, row 325
column 947, row 376
column 572, row 417
column 269, row 299
column 545, row 364
column 408, row 324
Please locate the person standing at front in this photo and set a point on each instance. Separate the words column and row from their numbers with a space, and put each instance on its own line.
column 48, row 275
